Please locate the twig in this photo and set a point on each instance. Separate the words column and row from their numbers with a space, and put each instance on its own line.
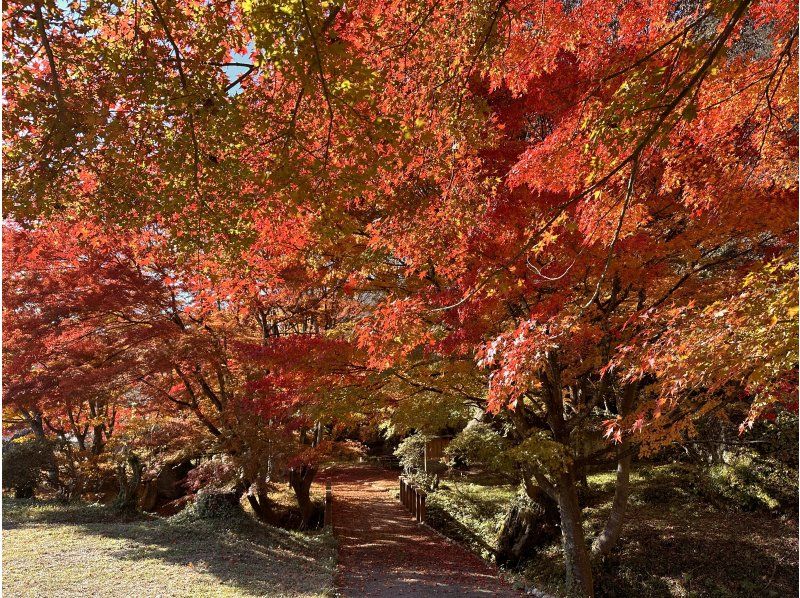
column 628, row 195
column 185, row 87
column 57, row 89
column 318, row 59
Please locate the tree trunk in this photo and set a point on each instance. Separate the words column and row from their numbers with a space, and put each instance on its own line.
column 577, row 559
column 97, row 439
column 539, row 496
column 260, row 503
column 127, row 499
column 576, row 555
column 606, row 541
column 532, row 522
column 300, row 479
column 149, row 496
column 37, row 427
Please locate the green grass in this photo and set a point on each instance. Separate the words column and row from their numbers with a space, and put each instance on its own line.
column 681, row 538
column 685, row 537
column 470, row 512
column 52, row 550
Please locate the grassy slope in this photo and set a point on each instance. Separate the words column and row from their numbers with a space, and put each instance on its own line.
column 675, row 542
column 52, row 550
column 470, row 512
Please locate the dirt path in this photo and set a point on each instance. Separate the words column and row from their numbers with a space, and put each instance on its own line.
column 383, row 552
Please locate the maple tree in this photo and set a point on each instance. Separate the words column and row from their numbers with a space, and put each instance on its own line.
column 578, row 217
column 104, row 328
column 614, row 205
column 69, row 354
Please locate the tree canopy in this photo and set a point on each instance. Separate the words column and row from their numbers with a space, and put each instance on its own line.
column 279, row 221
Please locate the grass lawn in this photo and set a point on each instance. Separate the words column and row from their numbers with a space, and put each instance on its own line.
column 470, row 512
column 52, row 550
column 675, row 542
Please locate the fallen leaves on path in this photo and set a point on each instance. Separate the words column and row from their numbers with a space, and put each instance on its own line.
column 384, row 552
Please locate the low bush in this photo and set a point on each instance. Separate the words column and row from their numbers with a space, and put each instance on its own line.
column 24, row 461
column 411, row 452
column 478, row 445
column 213, row 504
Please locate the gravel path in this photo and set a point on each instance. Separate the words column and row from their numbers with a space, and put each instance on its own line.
column 384, row 553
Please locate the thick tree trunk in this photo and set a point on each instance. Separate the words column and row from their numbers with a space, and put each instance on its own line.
column 576, row 555
column 148, row 496
column 577, row 559
column 606, row 541
column 300, row 479
column 539, row 496
column 529, row 525
column 97, row 439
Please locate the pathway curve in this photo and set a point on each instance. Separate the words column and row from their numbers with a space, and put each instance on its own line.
column 384, row 553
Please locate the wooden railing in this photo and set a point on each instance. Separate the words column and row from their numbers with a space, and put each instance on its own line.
column 413, row 498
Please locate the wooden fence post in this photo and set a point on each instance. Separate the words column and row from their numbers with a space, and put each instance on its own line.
column 328, row 520
column 413, row 498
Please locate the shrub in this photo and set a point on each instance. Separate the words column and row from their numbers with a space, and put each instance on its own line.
column 215, row 504
column 477, row 444
column 778, row 437
column 24, row 460
column 411, row 452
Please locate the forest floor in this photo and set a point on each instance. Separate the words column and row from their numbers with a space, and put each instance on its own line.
column 51, row 551
column 675, row 543
column 385, row 553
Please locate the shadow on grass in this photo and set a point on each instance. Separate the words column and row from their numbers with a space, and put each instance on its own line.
column 677, row 542
column 239, row 551
column 442, row 521
column 655, row 561
column 660, row 485
column 21, row 512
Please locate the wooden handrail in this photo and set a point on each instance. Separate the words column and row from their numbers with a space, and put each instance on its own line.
column 413, row 499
